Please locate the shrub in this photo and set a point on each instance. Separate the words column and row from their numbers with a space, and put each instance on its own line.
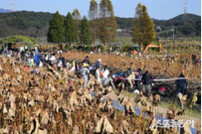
column 127, row 48
column 73, row 47
column 102, row 48
column 20, row 38
column 88, row 48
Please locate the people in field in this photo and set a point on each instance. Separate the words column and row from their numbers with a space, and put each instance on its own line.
column 34, row 58
column 181, row 84
column 98, row 64
column 147, row 81
column 98, row 73
column 84, row 72
column 36, row 50
column 86, row 60
column 137, row 76
column 106, row 79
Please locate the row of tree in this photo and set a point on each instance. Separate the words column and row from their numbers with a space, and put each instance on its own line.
column 70, row 29
column 102, row 25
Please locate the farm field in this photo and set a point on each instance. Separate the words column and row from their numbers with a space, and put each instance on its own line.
column 38, row 102
column 100, row 67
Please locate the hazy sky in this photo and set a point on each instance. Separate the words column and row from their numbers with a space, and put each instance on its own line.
column 158, row 9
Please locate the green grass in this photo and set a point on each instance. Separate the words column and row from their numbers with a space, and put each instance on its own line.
column 195, row 113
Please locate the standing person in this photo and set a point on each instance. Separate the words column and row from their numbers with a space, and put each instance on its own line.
column 98, row 74
column 37, row 59
column 137, row 76
column 61, row 48
column 26, row 47
column 84, row 72
column 29, row 47
column 181, row 84
column 111, row 48
column 147, row 81
column 36, row 50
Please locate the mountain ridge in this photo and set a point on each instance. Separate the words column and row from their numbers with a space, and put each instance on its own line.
column 36, row 24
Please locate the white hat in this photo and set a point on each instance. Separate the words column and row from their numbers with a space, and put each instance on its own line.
column 136, row 92
column 99, row 60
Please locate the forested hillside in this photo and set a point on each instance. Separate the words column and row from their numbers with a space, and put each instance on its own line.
column 189, row 25
column 24, row 23
column 36, row 24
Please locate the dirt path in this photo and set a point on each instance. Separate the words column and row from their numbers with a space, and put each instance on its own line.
column 161, row 109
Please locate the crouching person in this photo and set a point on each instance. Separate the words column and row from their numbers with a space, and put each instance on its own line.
column 106, row 79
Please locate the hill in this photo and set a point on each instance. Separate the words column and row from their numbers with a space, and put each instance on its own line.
column 36, row 24
column 189, row 25
column 33, row 24
column 4, row 10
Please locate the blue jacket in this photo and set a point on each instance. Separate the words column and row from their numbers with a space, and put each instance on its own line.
column 37, row 58
column 182, row 82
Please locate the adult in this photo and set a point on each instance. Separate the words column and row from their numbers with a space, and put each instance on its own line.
column 26, row 47
column 106, row 79
column 36, row 50
column 98, row 74
column 84, row 72
column 98, row 63
column 52, row 59
column 37, row 59
column 147, row 81
column 181, row 84
column 137, row 76
column 86, row 60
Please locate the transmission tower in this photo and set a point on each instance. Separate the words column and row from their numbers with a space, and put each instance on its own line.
column 12, row 6
column 185, row 9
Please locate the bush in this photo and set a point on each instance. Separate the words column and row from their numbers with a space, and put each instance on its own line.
column 73, row 47
column 102, row 48
column 20, row 38
column 66, row 47
column 127, row 48
column 88, row 48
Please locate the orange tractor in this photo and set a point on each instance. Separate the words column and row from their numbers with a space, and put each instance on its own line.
column 152, row 46
column 134, row 52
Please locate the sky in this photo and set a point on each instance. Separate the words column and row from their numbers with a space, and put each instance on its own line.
column 158, row 9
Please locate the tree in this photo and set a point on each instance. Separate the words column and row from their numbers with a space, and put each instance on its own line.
column 108, row 24
column 93, row 11
column 76, row 15
column 56, row 29
column 77, row 18
column 85, row 36
column 93, row 16
column 143, row 29
column 71, row 34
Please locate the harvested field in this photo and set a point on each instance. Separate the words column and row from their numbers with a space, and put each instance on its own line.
column 40, row 103
column 167, row 68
